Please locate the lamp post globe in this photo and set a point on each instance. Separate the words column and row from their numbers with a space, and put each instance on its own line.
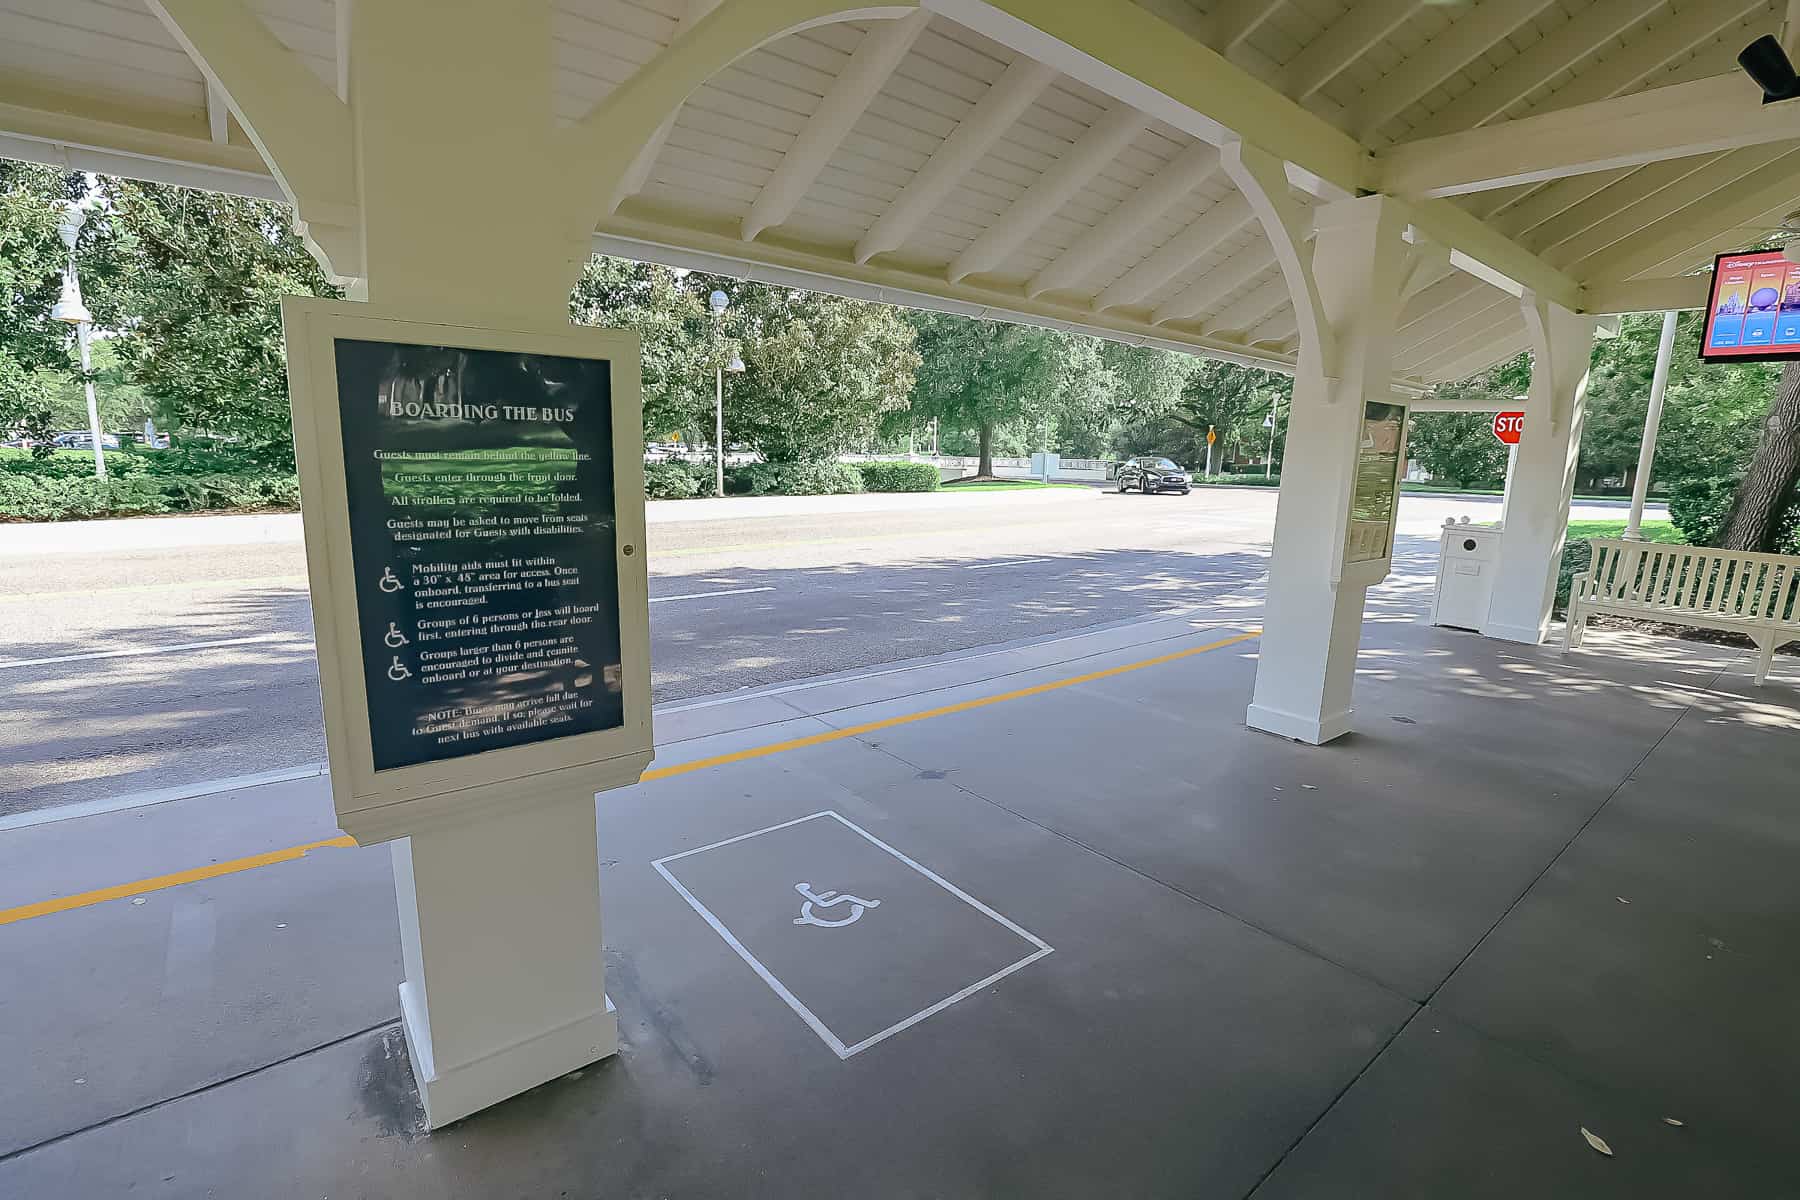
column 70, row 309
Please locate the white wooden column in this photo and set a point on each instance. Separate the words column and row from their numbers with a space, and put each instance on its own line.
column 457, row 210
column 1313, row 617
column 1543, row 475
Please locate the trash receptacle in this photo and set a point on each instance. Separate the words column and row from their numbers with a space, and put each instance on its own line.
column 1467, row 555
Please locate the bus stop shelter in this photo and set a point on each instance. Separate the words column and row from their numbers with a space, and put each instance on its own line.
column 1372, row 195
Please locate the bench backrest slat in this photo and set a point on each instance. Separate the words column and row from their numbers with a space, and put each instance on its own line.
column 1701, row 580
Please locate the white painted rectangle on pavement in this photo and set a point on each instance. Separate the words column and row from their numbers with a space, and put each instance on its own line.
column 858, row 939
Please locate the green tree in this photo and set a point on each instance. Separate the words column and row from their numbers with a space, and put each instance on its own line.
column 986, row 376
column 36, row 359
column 681, row 342
column 207, row 273
column 820, row 372
column 1459, row 447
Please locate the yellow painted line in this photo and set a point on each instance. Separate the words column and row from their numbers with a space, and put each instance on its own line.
column 195, row 585
column 850, row 731
column 44, row 908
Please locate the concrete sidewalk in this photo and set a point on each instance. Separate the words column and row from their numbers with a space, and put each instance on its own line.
column 1530, row 895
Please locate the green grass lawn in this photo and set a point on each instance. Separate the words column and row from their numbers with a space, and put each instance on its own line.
column 1653, row 531
column 1407, row 486
column 1003, row 485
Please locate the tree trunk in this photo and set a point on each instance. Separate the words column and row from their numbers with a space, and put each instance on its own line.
column 1768, row 484
column 985, row 469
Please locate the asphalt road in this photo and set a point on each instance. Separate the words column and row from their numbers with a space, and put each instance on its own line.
column 158, row 653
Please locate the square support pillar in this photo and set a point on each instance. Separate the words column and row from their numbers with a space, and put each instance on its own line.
column 1312, row 623
column 1541, row 481
column 500, row 935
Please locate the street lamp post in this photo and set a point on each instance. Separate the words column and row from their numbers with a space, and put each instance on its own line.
column 70, row 308
column 1269, row 462
column 719, row 302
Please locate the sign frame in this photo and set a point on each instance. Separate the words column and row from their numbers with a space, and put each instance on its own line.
column 1710, row 315
column 398, row 802
column 1371, row 571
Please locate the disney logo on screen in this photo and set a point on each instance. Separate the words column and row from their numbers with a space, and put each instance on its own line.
column 458, row 410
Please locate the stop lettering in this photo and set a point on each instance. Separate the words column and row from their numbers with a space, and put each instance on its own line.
column 1508, row 426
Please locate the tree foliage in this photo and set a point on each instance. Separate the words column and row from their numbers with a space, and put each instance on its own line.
column 681, row 342
column 819, row 372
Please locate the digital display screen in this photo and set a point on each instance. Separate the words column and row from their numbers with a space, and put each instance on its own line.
column 482, row 530
column 1753, row 310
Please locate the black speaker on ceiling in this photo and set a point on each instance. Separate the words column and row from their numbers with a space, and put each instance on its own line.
column 1765, row 62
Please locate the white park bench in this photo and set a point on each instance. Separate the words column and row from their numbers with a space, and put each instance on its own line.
column 1757, row 595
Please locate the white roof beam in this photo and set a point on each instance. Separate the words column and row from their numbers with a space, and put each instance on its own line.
column 1223, row 220
column 1708, row 115
column 1467, row 38
column 638, row 173
column 843, row 104
column 1102, row 143
column 1204, row 293
column 1185, row 172
column 1565, row 46
column 1235, row 20
column 1734, row 205
column 1649, row 295
column 1123, row 50
column 218, row 113
column 999, row 107
column 1342, row 42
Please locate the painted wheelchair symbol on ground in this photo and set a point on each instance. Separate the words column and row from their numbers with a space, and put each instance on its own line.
column 829, row 899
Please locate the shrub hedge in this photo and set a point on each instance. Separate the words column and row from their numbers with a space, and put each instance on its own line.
column 677, row 480
column 1699, row 508
column 128, row 494
column 793, row 479
column 898, row 476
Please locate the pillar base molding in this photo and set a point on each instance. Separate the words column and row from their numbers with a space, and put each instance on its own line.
column 450, row 1093
column 1314, row 731
column 1529, row 635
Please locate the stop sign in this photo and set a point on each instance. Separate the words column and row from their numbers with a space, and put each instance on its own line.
column 1508, row 426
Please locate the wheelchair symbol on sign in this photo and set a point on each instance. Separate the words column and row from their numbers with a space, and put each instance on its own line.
column 830, row 899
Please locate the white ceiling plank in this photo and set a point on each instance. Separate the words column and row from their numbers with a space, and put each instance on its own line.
column 1603, row 207
column 1735, row 204
column 1346, row 39
column 1002, row 104
column 1454, row 335
column 1235, row 20
column 639, row 171
column 1102, row 143
column 1279, row 329
column 1467, row 38
column 1255, row 308
column 1223, row 220
column 1501, row 339
column 1218, row 283
column 1702, row 181
column 1567, row 45
column 1723, row 112
column 1532, row 210
column 1642, row 57
column 1187, row 171
column 874, row 60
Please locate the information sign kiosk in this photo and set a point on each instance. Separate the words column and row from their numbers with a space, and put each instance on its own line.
column 473, row 510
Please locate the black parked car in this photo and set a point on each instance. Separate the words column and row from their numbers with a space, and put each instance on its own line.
column 1152, row 474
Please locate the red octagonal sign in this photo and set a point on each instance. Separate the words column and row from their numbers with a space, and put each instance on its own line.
column 1508, row 426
